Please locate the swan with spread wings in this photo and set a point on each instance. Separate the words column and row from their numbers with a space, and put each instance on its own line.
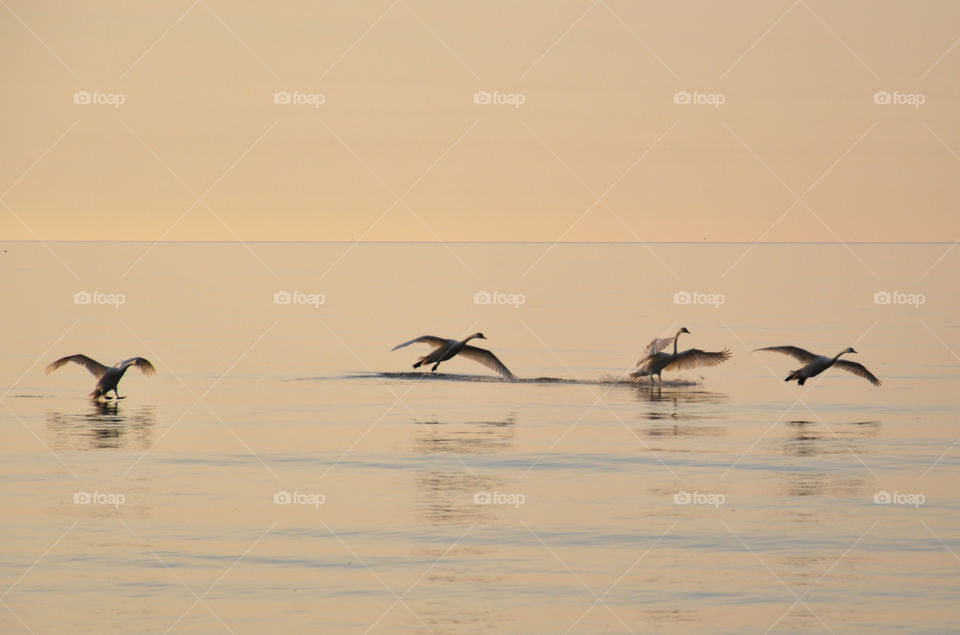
column 444, row 349
column 814, row 364
column 107, row 376
column 655, row 361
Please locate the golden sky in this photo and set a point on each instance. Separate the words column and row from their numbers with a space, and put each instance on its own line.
column 184, row 139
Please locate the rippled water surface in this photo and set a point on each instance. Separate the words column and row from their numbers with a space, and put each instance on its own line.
column 285, row 471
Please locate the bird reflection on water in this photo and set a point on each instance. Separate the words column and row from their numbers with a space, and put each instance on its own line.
column 448, row 493
column 104, row 425
column 675, row 406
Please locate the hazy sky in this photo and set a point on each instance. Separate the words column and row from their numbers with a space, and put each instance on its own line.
column 788, row 143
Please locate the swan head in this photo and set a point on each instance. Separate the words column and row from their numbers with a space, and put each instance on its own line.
column 849, row 350
column 684, row 330
column 479, row 336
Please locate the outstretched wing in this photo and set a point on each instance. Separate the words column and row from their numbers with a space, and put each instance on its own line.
column 143, row 364
column 655, row 346
column 792, row 351
column 858, row 369
column 96, row 368
column 695, row 358
column 432, row 340
column 488, row 359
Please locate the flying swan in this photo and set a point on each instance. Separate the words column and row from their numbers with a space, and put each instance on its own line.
column 654, row 361
column 444, row 349
column 107, row 377
column 813, row 365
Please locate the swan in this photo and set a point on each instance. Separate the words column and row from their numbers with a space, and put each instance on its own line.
column 654, row 361
column 445, row 349
column 813, row 364
column 107, row 377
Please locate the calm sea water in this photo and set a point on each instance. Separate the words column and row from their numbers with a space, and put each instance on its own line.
column 725, row 501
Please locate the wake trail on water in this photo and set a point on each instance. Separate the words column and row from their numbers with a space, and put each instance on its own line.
column 604, row 380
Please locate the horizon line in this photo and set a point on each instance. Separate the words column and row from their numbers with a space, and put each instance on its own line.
column 495, row 242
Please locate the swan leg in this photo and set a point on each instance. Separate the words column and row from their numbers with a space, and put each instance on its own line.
column 118, row 395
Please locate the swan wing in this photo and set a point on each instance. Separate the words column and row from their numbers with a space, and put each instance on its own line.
column 432, row 340
column 96, row 368
column 793, row 351
column 142, row 363
column 859, row 370
column 656, row 345
column 488, row 359
column 695, row 358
